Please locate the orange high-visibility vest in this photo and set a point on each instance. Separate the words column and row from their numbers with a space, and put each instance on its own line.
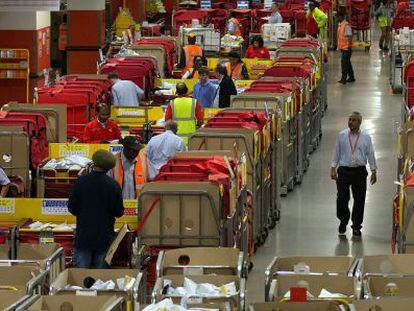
column 343, row 40
column 191, row 51
column 237, row 31
column 236, row 73
column 140, row 171
column 63, row 37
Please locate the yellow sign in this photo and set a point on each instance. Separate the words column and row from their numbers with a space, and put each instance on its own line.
column 6, row 206
column 66, row 150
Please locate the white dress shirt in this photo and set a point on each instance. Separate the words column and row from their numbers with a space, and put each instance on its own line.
column 126, row 93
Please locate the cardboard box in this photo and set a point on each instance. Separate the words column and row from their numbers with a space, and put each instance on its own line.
column 317, row 264
column 75, row 277
column 34, row 252
column 385, row 304
column 17, row 276
column 52, row 303
column 7, row 298
column 377, row 286
column 332, row 283
column 236, row 302
column 388, row 264
column 201, row 261
column 115, row 244
column 296, row 306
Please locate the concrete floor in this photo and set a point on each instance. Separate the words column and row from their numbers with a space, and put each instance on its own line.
column 308, row 223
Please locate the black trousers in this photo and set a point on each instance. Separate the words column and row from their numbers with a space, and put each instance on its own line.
column 354, row 178
column 346, row 65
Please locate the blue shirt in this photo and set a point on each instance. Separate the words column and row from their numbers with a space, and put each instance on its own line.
column 364, row 152
column 160, row 148
column 275, row 18
column 205, row 93
column 126, row 93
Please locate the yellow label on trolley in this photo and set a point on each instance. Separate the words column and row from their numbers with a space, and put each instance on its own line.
column 66, row 150
column 131, row 207
column 6, row 206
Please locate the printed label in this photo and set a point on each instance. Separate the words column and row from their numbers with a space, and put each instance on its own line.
column 6, row 206
column 131, row 208
column 115, row 148
column 66, row 150
column 55, row 207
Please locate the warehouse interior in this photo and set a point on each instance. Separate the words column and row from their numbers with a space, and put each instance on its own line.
column 193, row 155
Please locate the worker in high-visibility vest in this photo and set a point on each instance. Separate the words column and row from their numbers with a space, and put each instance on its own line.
column 233, row 25
column 185, row 111
column 316, row 21
column 384, row 15
column 130, row 170
column 345, row 46
column 63, row 42
column 189, row 52
column 236, row 69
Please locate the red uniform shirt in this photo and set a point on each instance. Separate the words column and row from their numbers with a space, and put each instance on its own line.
column 261, row 53
column 94, row 132
column 199, row 112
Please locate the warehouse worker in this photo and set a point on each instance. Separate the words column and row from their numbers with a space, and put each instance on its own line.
column 275, row 17
column 186, row 111
column 189, row 52
column 101, row 129
column 233, row 25
column 236, row 69
column 384, row 15
column 130, row 170
column 226, row 87
column 162, row 147
column 345, row 46
column 125, row 93
column 316, row 21
column 95, row 200
column 204, row 90
column 352, row 152
column 192, row 73
column 4, row 183
column 257, row 49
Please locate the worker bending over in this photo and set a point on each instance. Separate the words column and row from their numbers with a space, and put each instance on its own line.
column 233, row 25
column 95, row 200
column 189, row 52
column 125, row 93
column 101, row 129
column 186, row 111
column 236, row 69
column 316, row 21
column 162, row 147
column 130, row 170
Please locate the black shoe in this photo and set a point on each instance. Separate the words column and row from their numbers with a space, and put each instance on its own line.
column 350, row 80
column 356, row 233
column 342, row 229
column 342, row 82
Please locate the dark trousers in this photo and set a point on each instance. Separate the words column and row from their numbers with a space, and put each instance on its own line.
column 346, row 65
column 89, row 259
column 354, row 178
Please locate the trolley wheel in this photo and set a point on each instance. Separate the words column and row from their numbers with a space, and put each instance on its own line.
column 272, row 224
column 277, row 215
column 367, row 48
column 250, row 266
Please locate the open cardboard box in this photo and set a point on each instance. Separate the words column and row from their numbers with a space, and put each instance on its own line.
column 377, row 286
column 100, row 303
column 28, row 251
column 385, row 304
column 19, row 277
column 388, row 264
column 296, row 306
column 333, row 283
column 201, row 261
column 75, row 277
column 9, row 298
column 236, row 301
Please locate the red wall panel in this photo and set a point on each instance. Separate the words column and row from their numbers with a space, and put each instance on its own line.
column 86, row 28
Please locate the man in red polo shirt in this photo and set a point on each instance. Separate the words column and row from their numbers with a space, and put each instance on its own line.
column 101, row 130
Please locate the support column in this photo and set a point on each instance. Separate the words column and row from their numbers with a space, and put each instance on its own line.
column 86, row 35
column 25, row 30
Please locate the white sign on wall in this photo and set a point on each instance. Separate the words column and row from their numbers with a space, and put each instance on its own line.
column 29, row 5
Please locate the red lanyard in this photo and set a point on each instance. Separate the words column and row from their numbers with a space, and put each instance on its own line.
column 353, row 148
